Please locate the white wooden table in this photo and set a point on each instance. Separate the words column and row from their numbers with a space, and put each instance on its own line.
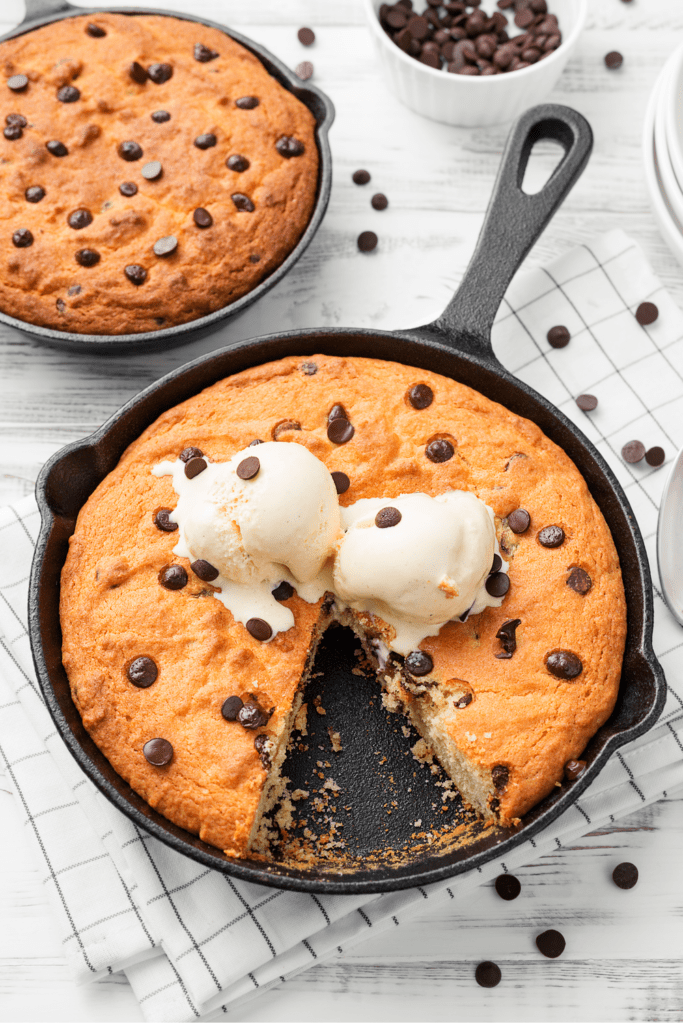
column 623, row 956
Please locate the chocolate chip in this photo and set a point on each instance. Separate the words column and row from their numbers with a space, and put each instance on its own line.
column 625, row 875
column 248, row 468
column 360, row 177
column 160, row 116
column 205, row 141
column 231, row 708
column 61, row 305
column 287, row 146
column 496, row 565
column 379, row 201
column 306, row 36
column 190, row 453
column 387, row 517
column 17, row 83
column 142, row 671
column 160, row 73
column 519, row 521
column 162, row 522
column 283, row 426
column 137, row 73
column 13, row 132
column 507, row 637
column 135, row 273
column 158, row 752
column 254, row 258
column 551, row 943
column 304, row 70
column 508, row 887
column 242, row 202
column 579, row 580
column 420, row 396
column 17, row 119
column 261, row 745
column 247, row 102
column 152, row 170
column 68, row 94
column 129, row 150
column 204, row 570
column 173, row 577
column 341, row 481
column 251, row 715
column 564, row 664
column 195, row 466
column 337, row 412
column 237, row 163
column 655, row 456
column 558, row 336
column 87, row 257
column 633, row 451
column 463, row 701
column 34, row 194
column 283, row 591
column 22, row 238
column 419, row 663
column 94, row 30
column 56, row 148
column 587, row 403
column 498, row 584
column 309, row 369
column 573, row 769
column 165, row 246
column 550, row 536
column 79, row 219
column 500, row 776
column 367, row 241
column 259, row 629
column 203, row 54
column 614, row 60
column 646, row 313
column 340, row 431
column 128, row 188
column 202, row 217
column 439, row 450
column 487, row 974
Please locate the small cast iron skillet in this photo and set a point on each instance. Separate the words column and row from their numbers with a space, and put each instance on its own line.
column 457, row 345
column 43, row 12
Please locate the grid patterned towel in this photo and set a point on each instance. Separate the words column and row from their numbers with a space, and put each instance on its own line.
column 193, row 942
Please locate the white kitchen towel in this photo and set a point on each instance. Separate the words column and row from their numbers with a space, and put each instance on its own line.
column 195, row 942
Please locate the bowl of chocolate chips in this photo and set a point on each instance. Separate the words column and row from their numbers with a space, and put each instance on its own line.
column 474, row 62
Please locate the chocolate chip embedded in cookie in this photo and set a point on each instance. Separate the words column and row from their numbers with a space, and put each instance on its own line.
column 162, row 521
column 237, row 163
column 252, row 716
column 22, row 238
column 247, row 102
column 340, row 431
column 500, row 774
column 231, row 708
column 519, row 521
column 259, row 629
column 160, row 73
column 190, row 453
column 68, row 94
column 551, row 536
column 56, row 148
column 152, row 171
column 34, row 193
column 202, row 217
column 287, row 146
column 564, row 664
column 498, row 584
column 173, row 577
column 204, row 54
column 165, row 246
column 573, row 769
column 242, row 203
column 420, row 396
column 419, row 663
column 579, row 580
column 79, row 219
column 158, row 752
column 508, row 638
column 439, row 450
column 204, row 570
column 341, row 481
column 205, row 141
column 142, row 671
column 129, row 150
column 87, row 257
column 136, row 274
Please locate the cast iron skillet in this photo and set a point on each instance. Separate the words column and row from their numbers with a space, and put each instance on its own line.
column 457, row 345
column 42, row 12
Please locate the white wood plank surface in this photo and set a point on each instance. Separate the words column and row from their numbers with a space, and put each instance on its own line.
column 623, row 956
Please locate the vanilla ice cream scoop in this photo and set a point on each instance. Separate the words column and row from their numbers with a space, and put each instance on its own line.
column 416, row 561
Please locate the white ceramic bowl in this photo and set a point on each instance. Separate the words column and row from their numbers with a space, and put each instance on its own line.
column 671, row 104
column 472, row 101
column 669, row 184
column 670, row 228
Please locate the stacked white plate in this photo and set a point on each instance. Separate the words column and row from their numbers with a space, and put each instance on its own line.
column 663, row 152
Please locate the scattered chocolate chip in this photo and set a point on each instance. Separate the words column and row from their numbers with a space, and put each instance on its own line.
column 463, row 701
column 558, row 336
column 655, row 456
column 261, row 745
column 237, row 163
column 242, row 203
column 613, row 60
column 158, row 752
column 87, row 257
column 259, row 629
column 160, row 73
column 79, row 219
column 587, row 403
column 420, row 396
column 500, row 776
column 128, row 188
column 633, row 451
column 579, row 580
column 496, row 565
column 573, row 769
column 13, row 132
column 341, row 481
column 519, row 521
column 379, row 201
column 248, row 468
column 203, row 54
column 195, row 466
column 387, row 517
column 254, row 258
column 165, row 246
column 247, row 102
column 61, row 305
column 646, row 313
column 190, row 453
column 304, row 70
column 550, row 536
column 337, row 412
column 309, row 369
column 22, row 238
column 160, row 116
column 17, row 83
column 284, row 426
column 205, row 141
column 142, row 671
column 16, row 119
column 162, row 522
column 439, row 450
column 498, row 584
column 204, row 570
column 340, row 431
column 152, row 170
column 95, row 30
column 68, row 94
column 129, row 150
column 287, row 146
column 137, row 73
column 135, row 273
column 507, row 637
column 283, row 591
column 367, row 241
column 34, row 194
column 625, row 875
column 231, row 708
column 251, row 715
column 487, row 974
column 306, row 36
column 254, row 442
column 360, row 177
column 56, row 148
column 508, row 887
column 551, row 943
column 202, row 217
column 564, row 664
column 419, row 663
column 173, row 577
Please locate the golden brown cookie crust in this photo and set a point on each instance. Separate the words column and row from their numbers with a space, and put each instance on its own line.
column 521, row 716
column 43, row 284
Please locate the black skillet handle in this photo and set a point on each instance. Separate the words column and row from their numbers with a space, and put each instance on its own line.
column 35, row 9
column 513, row 222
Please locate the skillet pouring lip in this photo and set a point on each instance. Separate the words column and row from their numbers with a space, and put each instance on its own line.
column 71, row 475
